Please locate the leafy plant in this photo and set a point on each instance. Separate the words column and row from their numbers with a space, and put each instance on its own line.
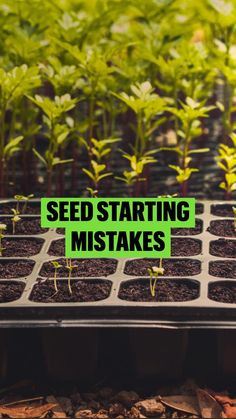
column 57, row 133
column 190, row 128
column 14, row 84
column 226, row 161
column 99, row 151
column 154, row 273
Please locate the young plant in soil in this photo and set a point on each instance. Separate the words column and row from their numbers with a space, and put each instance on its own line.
column 190, row 128
column 3, row 227
column 146, row 105
column 56, row 266
column 26, row 199
column 100, row 150
column 226, row 160
column 15, row 219
column 70, row 268
column 14, row 84
column 57, row 132
column 234, row 212
column 154, row 273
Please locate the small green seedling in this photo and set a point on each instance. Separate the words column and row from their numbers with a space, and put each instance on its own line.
column 234, row 211
column 154, row 272
column 70, row 268
column 27, row 199
column 226, row 161
column 3, row 227
column 18, row 198
column 56, row 266
column 15, row 219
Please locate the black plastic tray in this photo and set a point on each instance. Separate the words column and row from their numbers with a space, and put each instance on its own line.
column 198, row 313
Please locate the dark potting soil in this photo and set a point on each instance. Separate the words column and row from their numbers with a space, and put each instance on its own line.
column 32, row 209
column 223, row 228
column 82, row 291
column 172, row 267
column 10, row 291
column 21, row 247
column 222, row 210
column 15, row 268
column 57, row 248
column 60, row 231
column 25, row 226
column 185, row 247
column 223, row 248
column 166, row 290
column 199, row 209
column 224, row 292
column 188, row 231
column 84, row 267
column 223, row 269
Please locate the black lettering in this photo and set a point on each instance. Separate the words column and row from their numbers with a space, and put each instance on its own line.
column 52, row 210
column 103, row 216
column 78, row 241
column 160, row 243
column 183, row 214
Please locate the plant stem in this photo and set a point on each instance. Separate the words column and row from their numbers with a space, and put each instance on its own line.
column 55, row 280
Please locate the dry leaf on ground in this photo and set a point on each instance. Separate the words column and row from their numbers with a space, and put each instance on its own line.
column 26, row 411
column 187, row 404
column 209, row 407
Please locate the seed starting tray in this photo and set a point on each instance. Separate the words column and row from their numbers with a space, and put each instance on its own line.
column 113, row 311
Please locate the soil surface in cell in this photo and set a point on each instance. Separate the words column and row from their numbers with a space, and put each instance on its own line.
column 185, row 247
column 10, row 291
column 223, row 228
column 60, row 231
column 82, row 291
column 223, row 269
column 21, row 247
column 83, row 267
column 15, row 268
column 172, row 267
column 166, row 290
column 199, row 209
column 25, row 226
column 224, row 210
column 32, row 209
column 223, row 292
column 223, row 248
column 188, row 231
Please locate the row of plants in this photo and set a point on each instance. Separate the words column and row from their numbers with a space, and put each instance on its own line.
column 99, row 91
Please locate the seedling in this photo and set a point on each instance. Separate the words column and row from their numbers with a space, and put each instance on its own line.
column 15, row 219
column 190, row 128
column 70, row 268
column 226, row 160
column 56, row 266
column 154, row 273
column 3, row 227
column 18, row 198
column 57, row 133
column 100, row 150
column 234, row 212
column 27, row 199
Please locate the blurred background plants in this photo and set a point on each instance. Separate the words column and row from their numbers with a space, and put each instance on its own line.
column 150, row 84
